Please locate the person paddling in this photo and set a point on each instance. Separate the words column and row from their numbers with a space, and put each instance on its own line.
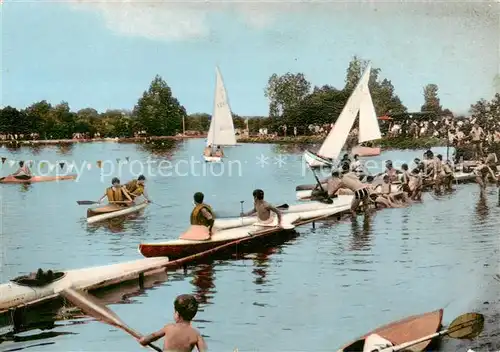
column 180, row 336
column 136, row 188
column 202, row 213
column 263, row 209
column 115, row 194
column 23, row 172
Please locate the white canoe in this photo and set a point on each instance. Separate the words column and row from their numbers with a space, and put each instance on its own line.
column 179, row 248
column 228, row 223
column 114, row 213
column 13, row 294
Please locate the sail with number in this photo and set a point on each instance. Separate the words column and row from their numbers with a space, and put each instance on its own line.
column 221, row 131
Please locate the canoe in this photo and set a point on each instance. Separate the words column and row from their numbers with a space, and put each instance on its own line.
column 23, row 290
column 405, row 330
column 180, row 248
column 109, row 211
column 365, row 151
column 227, row 223
column 12, row 179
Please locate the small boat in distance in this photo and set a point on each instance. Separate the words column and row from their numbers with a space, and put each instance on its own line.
column 14, row 179
column 221, row 132
column 369, row 130
column 402, row 331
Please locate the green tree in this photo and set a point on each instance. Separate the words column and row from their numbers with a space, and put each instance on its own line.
column 198, row 122
column 158, row 111
column 383, row 92
column 431, row 99
column 285, row 92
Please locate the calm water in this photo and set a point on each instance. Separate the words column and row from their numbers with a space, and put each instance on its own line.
column 314, row 293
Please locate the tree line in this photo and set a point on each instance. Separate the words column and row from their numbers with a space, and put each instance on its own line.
column 292, row 103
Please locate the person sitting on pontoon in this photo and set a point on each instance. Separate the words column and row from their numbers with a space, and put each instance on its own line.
column 218, row 152
column 202, row 213
column 356, row 166
column 263, row 209
column 23, row 172
column 208, row 150
column 136, row 188
column 116, row 195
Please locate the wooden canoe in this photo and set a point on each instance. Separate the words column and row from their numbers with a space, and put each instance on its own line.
column 13, row 179
column 112, row 210
column 408, row 329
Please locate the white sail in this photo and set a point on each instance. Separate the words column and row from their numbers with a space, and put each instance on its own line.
column 369, row 129
column 337, row 137
column 221, row 131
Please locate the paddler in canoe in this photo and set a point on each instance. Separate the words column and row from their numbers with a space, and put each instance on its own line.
column 23, row 172
column 264, row 210
column 116, row 194
column 202, row 214
column 136, row 188
column 180, row 336
column 350, row 181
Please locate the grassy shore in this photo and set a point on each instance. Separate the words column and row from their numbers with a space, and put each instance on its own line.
column 119, row 140
column 386, row 143
column 392, row 143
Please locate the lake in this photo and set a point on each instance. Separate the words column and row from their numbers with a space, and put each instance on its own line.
column 313, row 293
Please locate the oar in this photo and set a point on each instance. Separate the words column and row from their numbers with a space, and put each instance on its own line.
column 90, row 306
column 466, row 326
column 87, row 202
column 320, row 185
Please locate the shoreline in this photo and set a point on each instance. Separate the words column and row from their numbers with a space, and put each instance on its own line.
column 386, row 143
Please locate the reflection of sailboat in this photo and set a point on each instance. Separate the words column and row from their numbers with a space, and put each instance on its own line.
column 359, row 101
column 221, row 131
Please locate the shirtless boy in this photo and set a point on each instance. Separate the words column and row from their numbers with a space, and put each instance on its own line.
column 180, row 336
column 352, row 182
column 263, row 209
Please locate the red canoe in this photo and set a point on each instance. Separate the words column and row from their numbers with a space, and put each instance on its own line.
column 408, row 329
column 195, row 241
column 13, row 179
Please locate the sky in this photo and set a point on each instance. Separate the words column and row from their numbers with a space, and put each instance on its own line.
column 103, row 54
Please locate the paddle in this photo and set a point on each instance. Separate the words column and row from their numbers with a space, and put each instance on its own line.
column 87, row 202
column 328, row 199
column 93, row 308
column 466, row 326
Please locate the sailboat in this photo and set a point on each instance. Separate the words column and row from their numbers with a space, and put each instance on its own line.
column 221, row 131
column 359, row 101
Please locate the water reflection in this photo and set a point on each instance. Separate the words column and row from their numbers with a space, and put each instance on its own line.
column 65, row 148
column 203, row 282
column 261, row 265
column 361, row 238
column 163, row 147
column 482, row 209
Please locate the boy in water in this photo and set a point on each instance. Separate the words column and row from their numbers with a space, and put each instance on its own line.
column 180, row 336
